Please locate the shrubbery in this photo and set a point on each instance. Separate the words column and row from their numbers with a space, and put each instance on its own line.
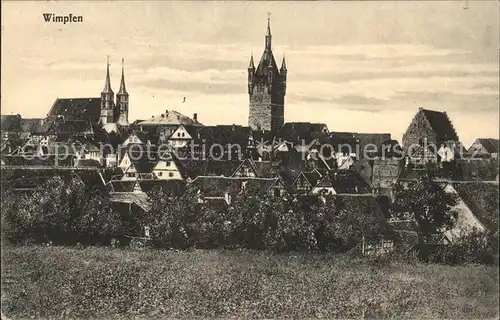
column 473, row 247
column 64, row 211
column 260, row 222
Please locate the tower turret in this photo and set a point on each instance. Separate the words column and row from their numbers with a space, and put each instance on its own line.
column 266, row 90
column 122, row 101
column 283, row 73
column 251, row 74
column 107, row 100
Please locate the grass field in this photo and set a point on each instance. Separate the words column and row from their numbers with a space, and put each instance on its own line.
column 103, row 283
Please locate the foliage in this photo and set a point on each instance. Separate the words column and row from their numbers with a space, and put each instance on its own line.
column 63, row 211
column 471, row 247
column 261, row 222
column 428, row 204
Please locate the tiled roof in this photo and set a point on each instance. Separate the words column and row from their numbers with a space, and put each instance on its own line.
column 262, row 68
column 193, row 168
column 491, row 145
column 169, row 117
column 77, row 109
column 264, row 168
column 11, row 123
column 169, row 187
column 482, row 199
column 341, row 142
column 313, row 177
column 69, row 127
column 350, row 182
column 87, row 163
column 221, row 167
column 140, row 199
column 372, row 138
column 122, row 185
column 217, row 186
column 144, row 165
column 260, row 135
column 390, row 148
column 224, row 134
column 325, row 182
column 296, row 131
column 287, row 178
column 482, row 170
column 441, row 125
column 32, row 125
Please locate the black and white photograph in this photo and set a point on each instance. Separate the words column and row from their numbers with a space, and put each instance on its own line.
column 250, row 159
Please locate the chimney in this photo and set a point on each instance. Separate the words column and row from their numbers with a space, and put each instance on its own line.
column 234, row 127
column 42, row 121
column 195, row 117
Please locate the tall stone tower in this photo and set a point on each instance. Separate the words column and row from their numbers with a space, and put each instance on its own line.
column 122, row 102
column 267, row 89
column 107, row 101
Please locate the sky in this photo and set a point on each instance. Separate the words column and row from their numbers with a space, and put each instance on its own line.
column 356, row 66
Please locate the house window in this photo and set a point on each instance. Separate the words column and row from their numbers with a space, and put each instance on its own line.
column 277, row 192
column 167, row 163
column 170, row 174
column 183, row 134
column 160, row 173
column 178, row 134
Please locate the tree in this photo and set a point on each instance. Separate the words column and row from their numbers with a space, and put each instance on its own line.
column 428, row 204
column 98, row 222
column 171, row 219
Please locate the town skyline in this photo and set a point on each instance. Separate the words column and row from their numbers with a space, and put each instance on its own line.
column 361, row 80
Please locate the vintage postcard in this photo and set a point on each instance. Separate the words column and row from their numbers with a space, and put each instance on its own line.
column 249, row 159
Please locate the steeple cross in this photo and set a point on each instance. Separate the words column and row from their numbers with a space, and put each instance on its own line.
column 268, row 15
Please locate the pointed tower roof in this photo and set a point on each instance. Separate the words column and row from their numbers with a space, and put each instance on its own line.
column 107, row 83
column 267, row 61
column 268, row 32
column 123, row 90
column 283, row 64
column 251, row 66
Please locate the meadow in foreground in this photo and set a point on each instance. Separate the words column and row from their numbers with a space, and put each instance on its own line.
column 70, row 283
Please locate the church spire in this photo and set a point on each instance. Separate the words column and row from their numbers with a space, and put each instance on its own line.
column 122, row 83
column 107, row 84
column 268, row 33
column 283, row 64
column 251, row 65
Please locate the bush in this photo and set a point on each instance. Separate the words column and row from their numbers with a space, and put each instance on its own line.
column 64, row 211
column 473, row 247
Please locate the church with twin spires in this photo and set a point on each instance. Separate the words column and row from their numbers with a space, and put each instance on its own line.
column 114, row 113
column 267, row 89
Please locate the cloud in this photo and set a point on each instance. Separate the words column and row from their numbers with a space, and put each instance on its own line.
column 454, row 102
column 348, row 102
column 192, row 86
